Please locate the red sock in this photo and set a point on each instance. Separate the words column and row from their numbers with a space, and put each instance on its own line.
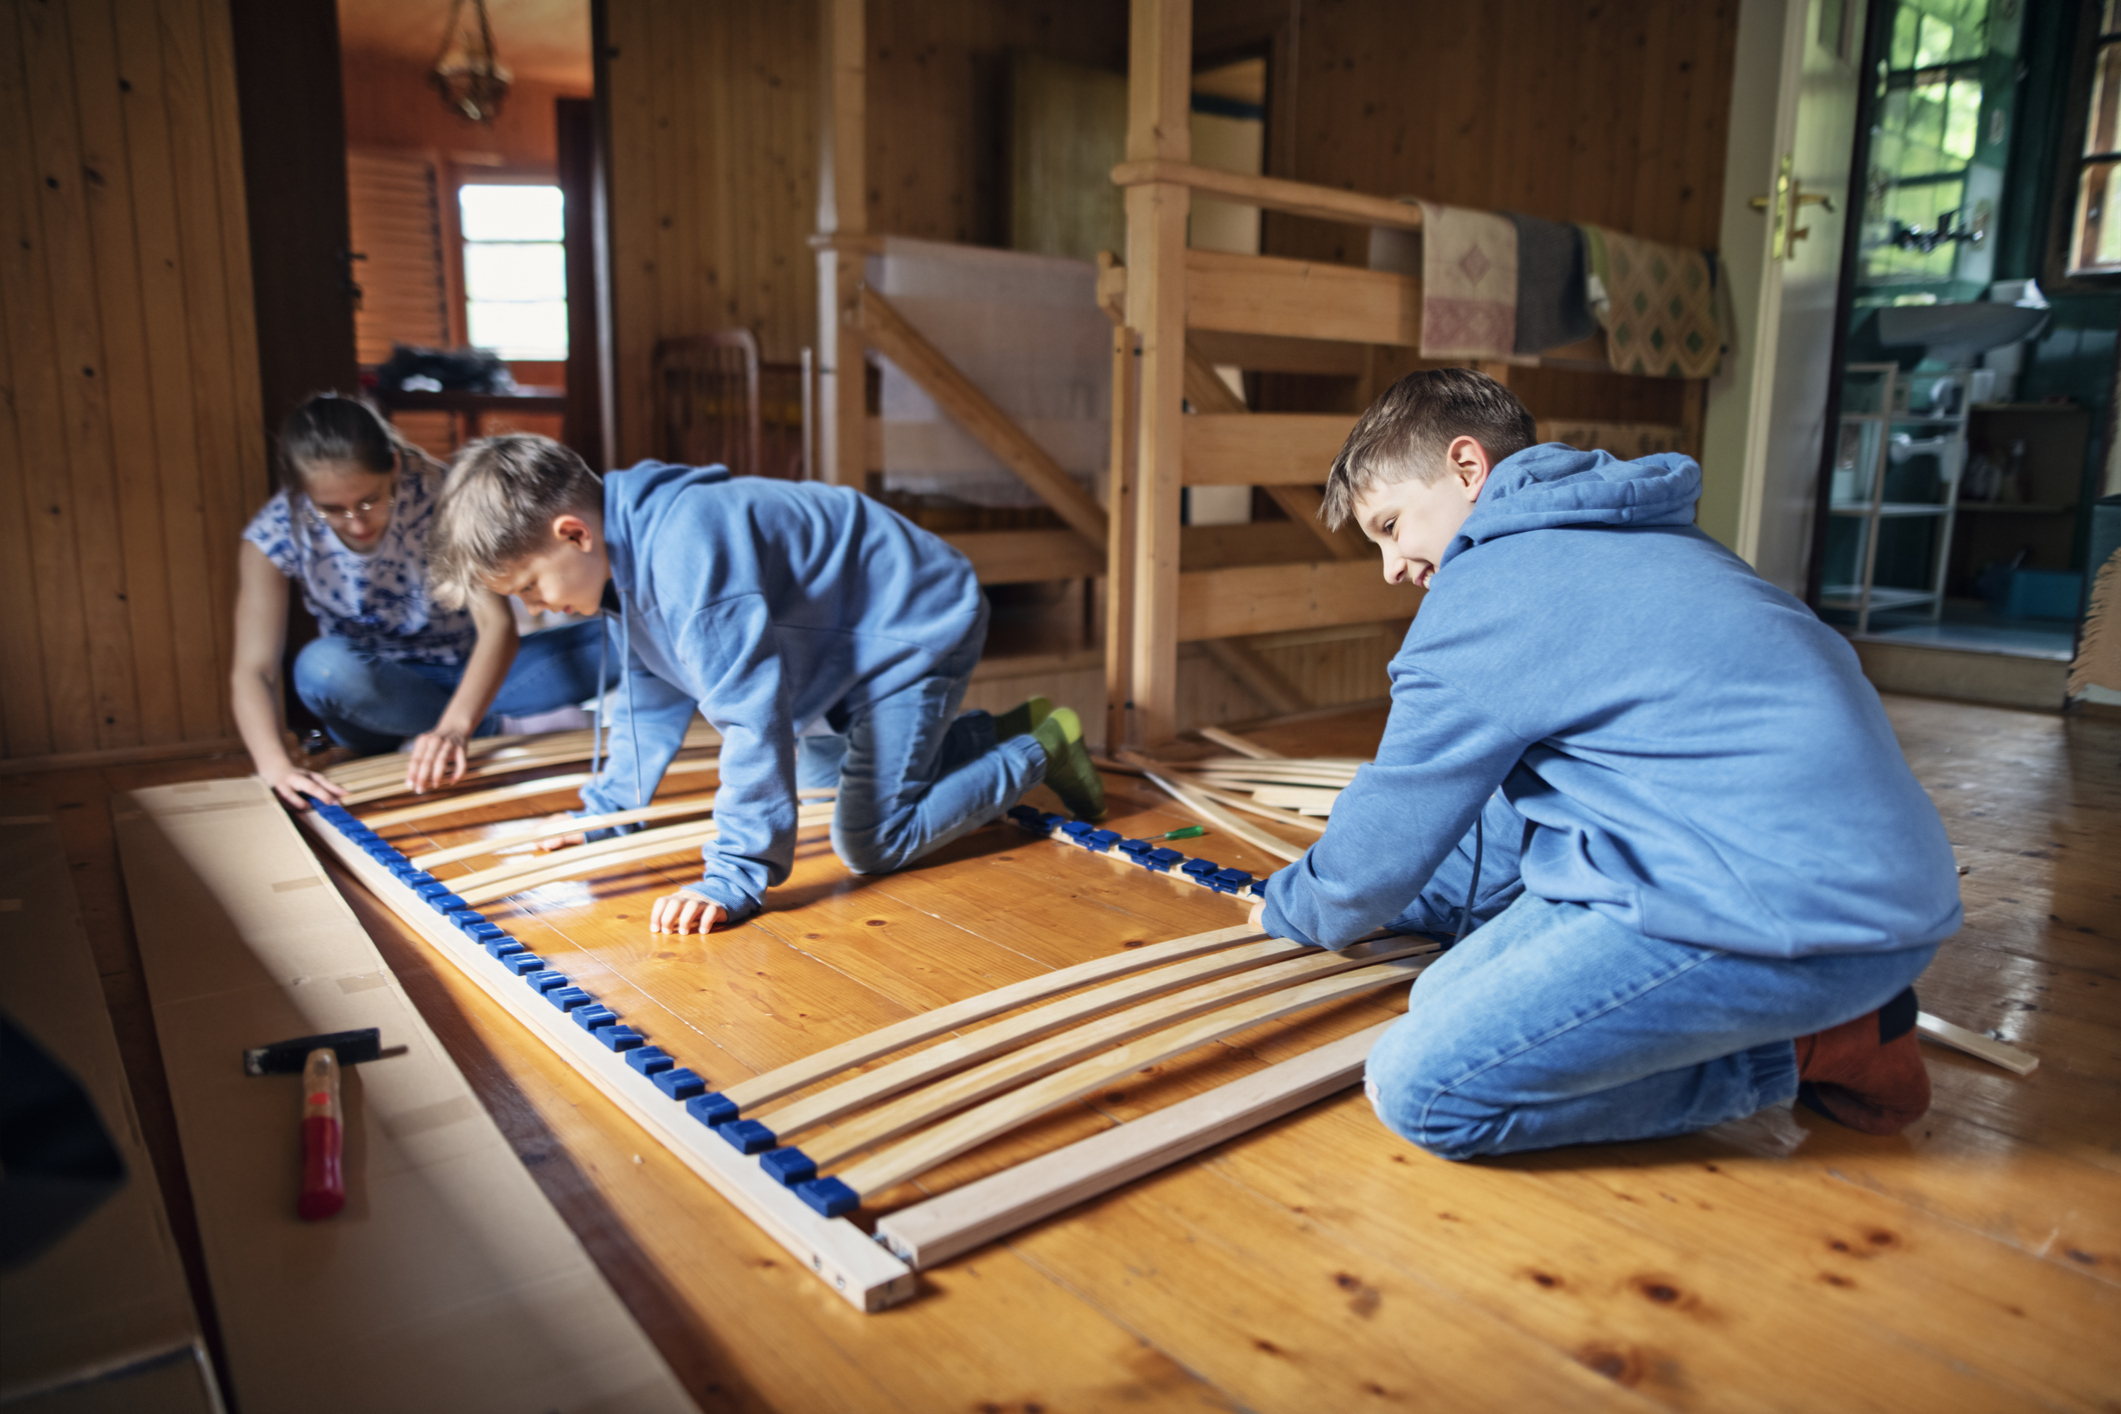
column 1867, row 1073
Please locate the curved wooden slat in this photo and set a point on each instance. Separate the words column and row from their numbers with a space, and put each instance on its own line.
column 924, row 1107
column 442, row 805
column 975, row 1127
column 550, row 825
column 959, row 1052
column 787, row 1079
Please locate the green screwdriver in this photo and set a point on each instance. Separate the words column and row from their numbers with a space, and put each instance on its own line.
column 1186, row 834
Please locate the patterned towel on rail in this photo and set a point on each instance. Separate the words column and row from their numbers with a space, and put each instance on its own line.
column 1657, row 304
column 1468, row 283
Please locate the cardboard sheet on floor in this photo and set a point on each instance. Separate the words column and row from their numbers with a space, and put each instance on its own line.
column 71, row 1337
column 449, row 1282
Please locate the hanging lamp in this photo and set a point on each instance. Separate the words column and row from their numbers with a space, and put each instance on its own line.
column 467, row 72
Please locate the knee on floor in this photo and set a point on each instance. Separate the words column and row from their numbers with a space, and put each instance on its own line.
column 1416, row 1099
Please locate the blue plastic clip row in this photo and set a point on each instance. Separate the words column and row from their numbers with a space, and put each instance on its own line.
column 786, row 1164
column 1146, row 853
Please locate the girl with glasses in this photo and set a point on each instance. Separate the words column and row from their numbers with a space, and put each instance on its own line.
column 348, row 527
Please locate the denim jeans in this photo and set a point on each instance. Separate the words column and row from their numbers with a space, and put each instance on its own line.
column 371, row 703
column 1555, row 1025
column 913, row 774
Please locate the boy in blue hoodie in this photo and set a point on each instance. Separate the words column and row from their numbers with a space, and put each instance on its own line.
column 1651, row 792
column 825, row 637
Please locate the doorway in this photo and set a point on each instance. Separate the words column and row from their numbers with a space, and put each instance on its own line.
column 461, row 226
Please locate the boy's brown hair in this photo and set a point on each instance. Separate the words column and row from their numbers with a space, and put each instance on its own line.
column 1405, row 433
column 497, row 506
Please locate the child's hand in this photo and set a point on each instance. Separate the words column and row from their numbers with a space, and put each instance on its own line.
column 561, row 842
column 685, row 913
column 1258, row 916
column 437, row 760
column 295, row 786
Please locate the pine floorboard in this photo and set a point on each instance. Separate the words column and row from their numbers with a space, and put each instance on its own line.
column 1318, row 1263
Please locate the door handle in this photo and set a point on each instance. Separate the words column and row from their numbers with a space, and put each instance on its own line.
column 1785, row 204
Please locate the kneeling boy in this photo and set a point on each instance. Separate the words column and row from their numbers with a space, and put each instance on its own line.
column 784, row 613
column 1657, row 787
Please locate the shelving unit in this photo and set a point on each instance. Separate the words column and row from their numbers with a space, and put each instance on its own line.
column 1879, row 396
column 2043, row 525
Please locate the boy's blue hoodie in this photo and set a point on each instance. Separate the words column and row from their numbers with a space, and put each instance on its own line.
column 1680, row 745
column 771, row 607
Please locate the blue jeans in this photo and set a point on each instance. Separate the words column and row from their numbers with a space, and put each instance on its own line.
column 1555, row 1025
column 913, row 774
column 371, row 703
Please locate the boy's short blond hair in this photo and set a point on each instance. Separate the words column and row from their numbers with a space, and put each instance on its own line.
column 497, row 506
column 1405, row 433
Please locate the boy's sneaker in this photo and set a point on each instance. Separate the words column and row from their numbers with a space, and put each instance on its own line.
column 1867, row 1073
column 1023, row 718
column 1069, row 769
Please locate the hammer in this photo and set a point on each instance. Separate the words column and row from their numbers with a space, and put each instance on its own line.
column 319, row 1058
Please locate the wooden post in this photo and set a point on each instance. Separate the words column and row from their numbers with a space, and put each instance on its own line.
column 843, row 224
column 1124, row 492
column 1159, row 101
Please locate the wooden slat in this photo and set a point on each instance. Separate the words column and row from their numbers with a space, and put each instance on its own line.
column 578, row 861
column 445, row 805
column 1202, row 977
column 1261, row 294
column 926, row 1026
column 1276, row 194
column 1262, row 448
column 1236, row 603
column 998, row 1116
column 933, row 1232
column 1287, row 966
column 893, row 336
column 1208, row 811
column 1021, row 556
column 550, row 826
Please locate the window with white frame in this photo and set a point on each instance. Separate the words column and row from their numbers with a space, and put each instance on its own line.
column 2095, row 237
column 515, row 269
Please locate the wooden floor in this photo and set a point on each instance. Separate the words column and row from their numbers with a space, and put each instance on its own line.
column 1320, row 1264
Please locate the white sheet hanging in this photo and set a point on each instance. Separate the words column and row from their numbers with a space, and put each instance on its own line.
column 1027, row 331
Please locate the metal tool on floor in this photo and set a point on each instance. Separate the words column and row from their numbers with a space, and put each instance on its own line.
column 319, row 1059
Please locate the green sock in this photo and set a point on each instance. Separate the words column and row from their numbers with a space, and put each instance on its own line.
column 1023, row 718
column 1069, row 769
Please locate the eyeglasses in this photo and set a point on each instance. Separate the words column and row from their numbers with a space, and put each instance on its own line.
column 359, row 510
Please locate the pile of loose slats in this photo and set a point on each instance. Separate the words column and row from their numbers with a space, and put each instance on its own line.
column 1296, row 792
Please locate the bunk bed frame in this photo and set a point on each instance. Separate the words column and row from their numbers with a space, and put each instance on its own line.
column 1177, row 313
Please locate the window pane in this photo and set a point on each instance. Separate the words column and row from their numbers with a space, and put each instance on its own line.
column 2099, row 132
column 2097, row 245
column 515, row 272
column 525, row 331
column 1962, row 119
column 510, row 213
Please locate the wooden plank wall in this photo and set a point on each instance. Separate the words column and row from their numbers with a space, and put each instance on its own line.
column 130, row 450
column 714, row 109
column 938, row 148
column 1614, row 114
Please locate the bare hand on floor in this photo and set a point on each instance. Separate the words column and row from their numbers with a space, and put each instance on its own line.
column 685, row 913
